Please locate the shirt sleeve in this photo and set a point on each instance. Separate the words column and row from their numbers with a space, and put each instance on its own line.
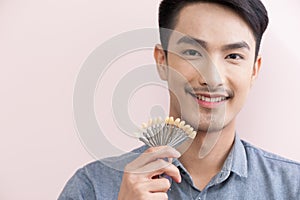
column 79, row 187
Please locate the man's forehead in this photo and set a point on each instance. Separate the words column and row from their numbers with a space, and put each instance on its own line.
column 200, row 16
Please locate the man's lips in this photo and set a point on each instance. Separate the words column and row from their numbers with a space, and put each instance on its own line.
column 210, row 100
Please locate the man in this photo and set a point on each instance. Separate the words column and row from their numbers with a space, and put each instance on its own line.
column 210, row 62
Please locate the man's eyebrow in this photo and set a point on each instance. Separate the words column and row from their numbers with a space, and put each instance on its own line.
column 237, row 45
column 203, row 44
column 192, row 41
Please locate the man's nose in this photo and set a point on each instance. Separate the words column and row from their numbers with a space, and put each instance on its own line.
column 210, row 75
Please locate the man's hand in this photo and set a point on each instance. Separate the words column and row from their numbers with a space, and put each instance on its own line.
column 140, row 180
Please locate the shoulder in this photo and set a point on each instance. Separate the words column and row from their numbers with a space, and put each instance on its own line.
column 271, row 172
column 252, row 150
column 271, row 165
column 111, row 165
column 99, row 178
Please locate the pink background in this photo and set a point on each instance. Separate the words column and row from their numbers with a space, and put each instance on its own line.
column 43, row 45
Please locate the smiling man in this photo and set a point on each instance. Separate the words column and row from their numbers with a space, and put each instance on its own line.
column 210, row 60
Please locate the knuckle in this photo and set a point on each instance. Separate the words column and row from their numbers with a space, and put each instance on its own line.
column 165, row 196
column 151, row 150
column 161, row 162
column 166, row 183
column 160, row 166
column 173, row 168
column 131, row 181
column 137, row 188
column 158, row 149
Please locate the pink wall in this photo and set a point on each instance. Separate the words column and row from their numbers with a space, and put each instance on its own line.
column 43, row 45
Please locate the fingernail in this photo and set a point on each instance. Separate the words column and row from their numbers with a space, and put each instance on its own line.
column 179, row 181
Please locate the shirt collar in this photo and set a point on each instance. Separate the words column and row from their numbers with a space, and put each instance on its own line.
column 236, row 161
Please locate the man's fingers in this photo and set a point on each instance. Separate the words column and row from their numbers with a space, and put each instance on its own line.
column 139, row 176
column 159, row 167
column 159, row 185
column 151, row 155
column 159, row 195
column 155, row 153
column 167, row 169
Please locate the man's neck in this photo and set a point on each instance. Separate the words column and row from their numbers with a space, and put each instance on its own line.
column 206, row 155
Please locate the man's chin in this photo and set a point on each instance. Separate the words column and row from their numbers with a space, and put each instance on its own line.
column 209, row 130
column 211, row 125
column 207, row 124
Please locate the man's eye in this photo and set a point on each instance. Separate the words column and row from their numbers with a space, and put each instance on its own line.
column 234, row 56
column 191, row 52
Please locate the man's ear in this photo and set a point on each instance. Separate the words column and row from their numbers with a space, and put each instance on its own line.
column 161, row 62
column 256, row 69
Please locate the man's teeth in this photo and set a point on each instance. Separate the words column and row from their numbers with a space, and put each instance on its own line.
column 211, row 100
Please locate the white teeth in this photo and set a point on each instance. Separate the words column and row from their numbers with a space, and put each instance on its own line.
column 211, row 100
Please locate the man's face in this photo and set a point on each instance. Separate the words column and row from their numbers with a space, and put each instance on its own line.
column 210, row 66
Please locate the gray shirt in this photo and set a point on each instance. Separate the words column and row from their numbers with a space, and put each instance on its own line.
column 248, row 173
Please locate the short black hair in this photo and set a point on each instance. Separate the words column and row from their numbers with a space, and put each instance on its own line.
column 253, row 12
